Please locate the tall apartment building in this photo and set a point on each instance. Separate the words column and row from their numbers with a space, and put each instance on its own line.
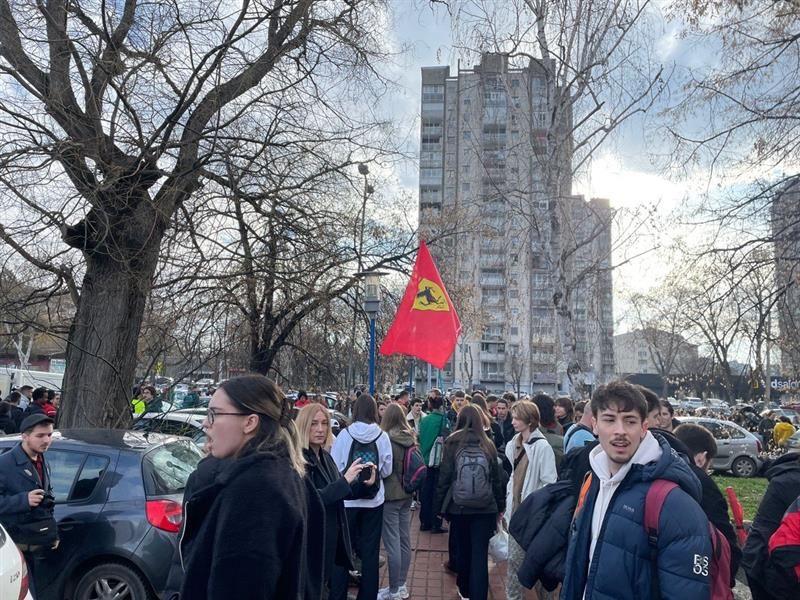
column 483, row 194
column 786, row 233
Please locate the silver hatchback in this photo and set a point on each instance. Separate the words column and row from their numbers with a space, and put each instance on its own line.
column 738, row 450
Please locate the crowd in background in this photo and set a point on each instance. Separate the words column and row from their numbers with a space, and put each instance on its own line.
column 24, row 402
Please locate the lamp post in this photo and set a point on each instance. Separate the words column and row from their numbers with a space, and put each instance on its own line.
column 363, row 169
column 372, row 305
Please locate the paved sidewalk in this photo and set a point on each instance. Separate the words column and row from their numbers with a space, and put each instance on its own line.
column 427, row 577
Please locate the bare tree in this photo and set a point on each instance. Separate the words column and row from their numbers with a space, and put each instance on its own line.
column 110, row 114
column 659, row 313
column 592, row 60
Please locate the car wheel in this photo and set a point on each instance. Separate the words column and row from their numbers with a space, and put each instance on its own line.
column 111, row 581
column 744, row 466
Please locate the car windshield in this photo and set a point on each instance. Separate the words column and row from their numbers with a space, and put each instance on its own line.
column 167, row 468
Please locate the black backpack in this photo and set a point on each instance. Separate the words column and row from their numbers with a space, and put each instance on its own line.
column 367, row 452
column 472, row 487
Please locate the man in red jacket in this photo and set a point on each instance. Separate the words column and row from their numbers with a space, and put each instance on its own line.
column 783, row 568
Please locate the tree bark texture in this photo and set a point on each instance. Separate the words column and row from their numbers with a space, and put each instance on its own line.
column 102, row 343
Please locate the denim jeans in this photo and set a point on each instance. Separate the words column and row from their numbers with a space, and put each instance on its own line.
column 397, row 540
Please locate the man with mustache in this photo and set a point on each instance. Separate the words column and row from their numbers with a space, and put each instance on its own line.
column 610, row 554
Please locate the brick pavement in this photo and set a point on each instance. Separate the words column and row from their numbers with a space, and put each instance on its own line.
column 427, row 577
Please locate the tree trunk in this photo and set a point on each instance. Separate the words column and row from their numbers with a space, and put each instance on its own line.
column 102, row 343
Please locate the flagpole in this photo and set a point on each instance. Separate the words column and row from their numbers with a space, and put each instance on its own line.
column 430, row 377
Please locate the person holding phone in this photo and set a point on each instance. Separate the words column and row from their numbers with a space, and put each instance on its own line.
column 26, row 497
column 314, row 428
column 366, row 441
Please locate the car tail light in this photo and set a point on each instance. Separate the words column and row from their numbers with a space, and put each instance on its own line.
column 164, row 514
column 23, row 583
column 758, row 446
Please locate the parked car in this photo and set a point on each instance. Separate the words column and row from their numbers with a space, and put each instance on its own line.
column 118, row 501
column 187, row 422
column 14, row 581
column 691, row 404
column 738, row 450
column 793, row 415
column 793, row 443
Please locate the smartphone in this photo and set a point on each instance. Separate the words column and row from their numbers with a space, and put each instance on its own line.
column 365, row 473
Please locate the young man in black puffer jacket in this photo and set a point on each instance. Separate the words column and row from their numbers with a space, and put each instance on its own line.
column 783, row 489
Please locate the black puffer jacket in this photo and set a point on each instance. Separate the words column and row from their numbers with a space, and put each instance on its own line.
column 783, row 488
column 249, row 531
column 541, row 527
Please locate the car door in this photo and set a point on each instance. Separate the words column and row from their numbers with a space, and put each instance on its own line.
column 75, row 476
column 740, row 443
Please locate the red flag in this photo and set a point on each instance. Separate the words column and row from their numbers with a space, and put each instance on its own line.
column 426, row 324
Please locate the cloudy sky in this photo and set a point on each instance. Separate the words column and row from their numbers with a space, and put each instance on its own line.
column 625, row 170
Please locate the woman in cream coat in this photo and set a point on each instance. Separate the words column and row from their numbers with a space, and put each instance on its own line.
column 533, row 466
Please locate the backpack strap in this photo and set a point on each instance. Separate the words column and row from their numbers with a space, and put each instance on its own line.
column 578, row 427
column 587, row 483
column 653, row 503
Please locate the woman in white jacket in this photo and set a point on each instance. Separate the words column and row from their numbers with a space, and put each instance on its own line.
column 533, row 466
column 365, row 515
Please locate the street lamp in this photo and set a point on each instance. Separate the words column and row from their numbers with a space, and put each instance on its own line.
column 372, row 305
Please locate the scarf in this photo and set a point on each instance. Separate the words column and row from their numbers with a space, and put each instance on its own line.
column 520, row 471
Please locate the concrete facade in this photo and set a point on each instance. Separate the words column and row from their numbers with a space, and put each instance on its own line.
column 484, row 135
column 786, row 235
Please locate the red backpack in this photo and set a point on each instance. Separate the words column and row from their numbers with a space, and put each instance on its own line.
column 719, row 571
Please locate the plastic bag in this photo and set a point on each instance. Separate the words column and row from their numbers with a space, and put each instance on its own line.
column 498, row 545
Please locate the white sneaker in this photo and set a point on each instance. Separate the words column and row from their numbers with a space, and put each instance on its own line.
column 402, row 592
column 384, row 594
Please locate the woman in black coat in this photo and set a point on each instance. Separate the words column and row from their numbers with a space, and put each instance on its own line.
column 314, row 428
column 248, row 526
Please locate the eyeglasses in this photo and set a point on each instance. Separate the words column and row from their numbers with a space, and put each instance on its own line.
column 213, row 413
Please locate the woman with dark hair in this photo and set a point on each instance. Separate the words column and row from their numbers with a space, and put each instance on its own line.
column 314, row 428
column 363, row 439
column 471, row 493
column 397, row 508
column 247, row 528
column 564, row 412
column 491, row 427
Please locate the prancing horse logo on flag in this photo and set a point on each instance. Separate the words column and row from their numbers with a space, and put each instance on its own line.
column 430, row 297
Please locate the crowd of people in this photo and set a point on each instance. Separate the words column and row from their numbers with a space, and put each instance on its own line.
column 24, row 402
column 605, row 498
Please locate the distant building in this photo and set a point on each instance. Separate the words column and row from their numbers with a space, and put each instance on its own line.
column 786, row 235
column 482, row 137
column 651, row 351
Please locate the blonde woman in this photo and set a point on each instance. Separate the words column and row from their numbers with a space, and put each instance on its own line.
column 246, row 532
column 533, row 465
column 314, row 428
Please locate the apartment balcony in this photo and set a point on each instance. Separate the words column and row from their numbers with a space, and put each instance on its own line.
column 492, row 280
column 493, row 377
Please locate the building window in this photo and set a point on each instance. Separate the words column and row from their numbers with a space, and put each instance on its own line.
column 514, row 331
column 513, row 294
column 465, row 187
column 433, row 93
column 467, row 135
